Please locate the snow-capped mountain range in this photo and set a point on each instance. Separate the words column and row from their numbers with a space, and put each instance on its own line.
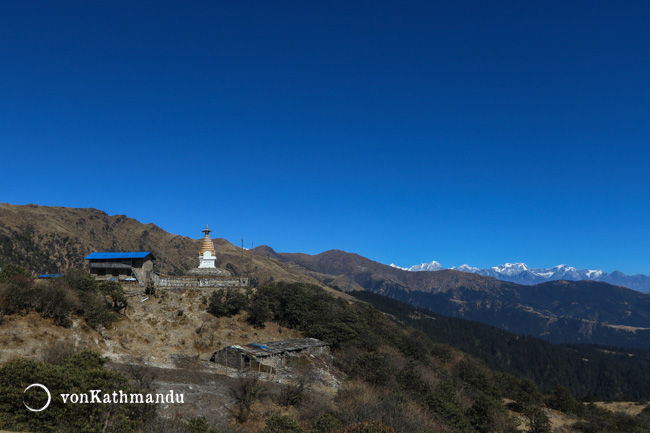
column 520, row 273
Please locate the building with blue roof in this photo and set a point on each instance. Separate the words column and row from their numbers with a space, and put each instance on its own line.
column 122, row 266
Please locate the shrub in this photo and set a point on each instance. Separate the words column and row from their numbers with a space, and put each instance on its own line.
column 416, row 346
column 77, row 292
column 326, row 423
column 115, row 292
column 56, row 302
column 442, row 400
column 79, row 373
column 96, row 311
column 485, row 413
column 226, row 302
column 564, row 401
column 79, row 280
column 312, row 310
column 17, row 295
column 258, row 313
column 295, row 391
column 476, row 374
column 372, row 367
column 150, row 289
column 245, row 392
column 537, row 419
column 282, row 424
column 199, row 425
column 10, row 271
column 58, row 351
column 369, row 427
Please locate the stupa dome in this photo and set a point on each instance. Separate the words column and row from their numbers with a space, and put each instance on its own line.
column 207, row 244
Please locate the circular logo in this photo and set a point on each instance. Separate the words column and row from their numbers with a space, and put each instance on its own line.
column 49, row 397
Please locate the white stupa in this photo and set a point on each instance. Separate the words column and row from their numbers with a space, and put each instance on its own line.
column 208, row 258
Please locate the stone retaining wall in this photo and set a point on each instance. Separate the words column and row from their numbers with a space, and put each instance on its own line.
column 166, row 281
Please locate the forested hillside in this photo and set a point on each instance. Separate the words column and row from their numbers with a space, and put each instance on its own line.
column 590, row 372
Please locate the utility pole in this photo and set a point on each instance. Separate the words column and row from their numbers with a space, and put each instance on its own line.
column 241, row 273
column 250, row 264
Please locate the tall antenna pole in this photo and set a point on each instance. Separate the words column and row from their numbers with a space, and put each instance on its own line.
column 162, row 260
column 250, row 264
column 241, row 274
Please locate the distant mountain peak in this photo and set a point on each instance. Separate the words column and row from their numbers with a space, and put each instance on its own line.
column 511, row 268
column 466, row 268
column 521, row 273
column 431, row 266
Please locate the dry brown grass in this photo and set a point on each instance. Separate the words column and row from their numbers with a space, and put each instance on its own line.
column 150, row 330
column 628, row 407
column 31, row 336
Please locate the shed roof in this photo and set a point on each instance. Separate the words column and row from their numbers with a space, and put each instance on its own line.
column 298, row 344
column 109, row 255
column 278, row 347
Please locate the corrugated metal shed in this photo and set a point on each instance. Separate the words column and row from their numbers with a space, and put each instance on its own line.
column 128, row 255
column 273, row 354
column 279, row 347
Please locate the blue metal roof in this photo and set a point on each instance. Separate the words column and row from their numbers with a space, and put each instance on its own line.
column 261, row 346
column 49, row 276
column 130, row 255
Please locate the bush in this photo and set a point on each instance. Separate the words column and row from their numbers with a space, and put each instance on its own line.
column 372, row 367
column 282, row 424
column 442, row 400
column 485, row 414
column 442, row 352
column 57, row 302
column 245, row 392
column 79, row 280
column 76, row 292
column 258, row 313
column 326, row 423
column 294, row 393
column 17, row 295
column 10, row 271
column 416, row 346
column 199, row 425
column 57, row 352
column 476, row 374
column 537, row 420
column 369, row 427
column 79, row 373
column 115, row 292
column 310, row 309
column 227, row 302
column 150, row 289
column 95, row 310
column 564, row 401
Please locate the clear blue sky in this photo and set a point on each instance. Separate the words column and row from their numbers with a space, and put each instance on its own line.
column 465, row 132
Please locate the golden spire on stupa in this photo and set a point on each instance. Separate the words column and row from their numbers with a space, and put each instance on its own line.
column 207, row 244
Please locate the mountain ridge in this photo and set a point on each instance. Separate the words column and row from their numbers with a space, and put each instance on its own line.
column 521, row 273
column 558, row 311
column 51, row 239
